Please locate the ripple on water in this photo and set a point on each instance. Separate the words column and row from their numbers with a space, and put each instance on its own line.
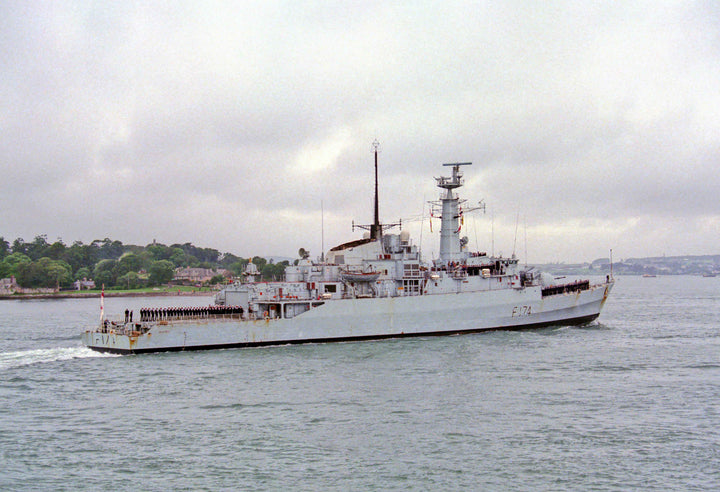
column 627, row 403
column 10, row 360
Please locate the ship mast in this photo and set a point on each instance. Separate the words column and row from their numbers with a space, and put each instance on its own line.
column 376, row 228
column 450, row 249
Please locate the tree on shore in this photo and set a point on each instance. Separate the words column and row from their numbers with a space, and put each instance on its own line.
column 112, row 263
column 4, row 248
column 9, row 264
column 45, row 272
column 104, row 272
column 161, row 272
column 131, row 280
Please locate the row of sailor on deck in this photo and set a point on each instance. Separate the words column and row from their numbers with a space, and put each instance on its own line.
column 576, row 286
column 154, row 314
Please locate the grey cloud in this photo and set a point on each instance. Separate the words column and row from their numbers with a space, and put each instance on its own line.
column 226, row 124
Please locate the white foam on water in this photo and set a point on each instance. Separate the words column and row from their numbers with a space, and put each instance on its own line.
column 9, row 360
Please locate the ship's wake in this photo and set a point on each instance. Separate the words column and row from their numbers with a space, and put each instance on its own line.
column 10, row 360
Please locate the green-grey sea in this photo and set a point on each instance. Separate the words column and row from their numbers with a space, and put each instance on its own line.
column 629, row 402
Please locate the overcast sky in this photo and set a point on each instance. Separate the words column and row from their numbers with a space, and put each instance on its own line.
column 590, row 125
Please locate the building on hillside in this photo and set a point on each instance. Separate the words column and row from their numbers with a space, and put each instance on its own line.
column 8, row 286
column 84, row 284
column 197, row 275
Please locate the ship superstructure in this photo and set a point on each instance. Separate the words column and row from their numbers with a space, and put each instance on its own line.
column 371, row 288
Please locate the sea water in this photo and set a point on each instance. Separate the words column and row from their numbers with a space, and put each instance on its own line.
column 631, row 401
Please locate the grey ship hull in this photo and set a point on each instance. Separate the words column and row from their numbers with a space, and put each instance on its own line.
column 372, row 288
column 367, row 319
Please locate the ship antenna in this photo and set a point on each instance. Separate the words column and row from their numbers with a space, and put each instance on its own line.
column 376, row 230
column 492, row 233
column 422, row 226
column 517, row 219
column 526, row 256
column 477, row 244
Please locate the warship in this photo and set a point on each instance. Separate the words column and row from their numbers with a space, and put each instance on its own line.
column 376, row 287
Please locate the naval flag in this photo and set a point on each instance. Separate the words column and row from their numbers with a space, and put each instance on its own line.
column 102, row 304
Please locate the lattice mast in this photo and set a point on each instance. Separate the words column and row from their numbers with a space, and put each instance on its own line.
column 450, row 248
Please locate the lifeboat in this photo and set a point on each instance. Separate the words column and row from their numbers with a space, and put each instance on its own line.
column 350, row 276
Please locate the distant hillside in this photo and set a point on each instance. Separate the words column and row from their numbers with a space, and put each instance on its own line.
column 658, row 265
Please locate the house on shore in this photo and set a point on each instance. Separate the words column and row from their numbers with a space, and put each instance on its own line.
column 194, row 276
column 8, row 286
column 84, row 284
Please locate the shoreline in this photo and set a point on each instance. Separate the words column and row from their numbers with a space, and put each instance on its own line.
column 90, row 295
